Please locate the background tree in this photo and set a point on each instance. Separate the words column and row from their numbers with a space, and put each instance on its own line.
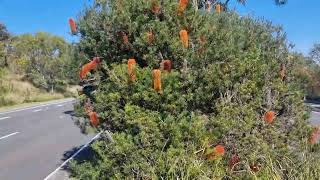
column 223, row 91
column 43, row 59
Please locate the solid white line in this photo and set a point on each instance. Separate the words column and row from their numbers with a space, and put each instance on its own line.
column 59, row 105
column 75, row 154
column 3, row 118
column 37, row 110
column 3, row 137
column 34, row 107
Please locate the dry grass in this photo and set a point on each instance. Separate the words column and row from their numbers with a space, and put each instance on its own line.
column 18, row 92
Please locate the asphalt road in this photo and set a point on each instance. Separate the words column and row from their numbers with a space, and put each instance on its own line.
column 35, row 141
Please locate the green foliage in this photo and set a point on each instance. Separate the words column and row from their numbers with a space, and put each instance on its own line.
column 43, row 59
column 217, row 93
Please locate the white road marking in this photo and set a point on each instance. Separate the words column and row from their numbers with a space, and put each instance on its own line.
column 59, row 105
column 316, row 112
column 74, row 155
column 35, row 107
column 6, row 136
column 37, row 110
column 3, row 118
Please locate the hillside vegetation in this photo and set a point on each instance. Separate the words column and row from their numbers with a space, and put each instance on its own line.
column 35, row 67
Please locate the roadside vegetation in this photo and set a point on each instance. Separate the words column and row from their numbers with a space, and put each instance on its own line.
column 34, row 67
column 229, row 103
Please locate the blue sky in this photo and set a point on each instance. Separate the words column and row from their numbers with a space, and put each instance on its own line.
column 300, row 20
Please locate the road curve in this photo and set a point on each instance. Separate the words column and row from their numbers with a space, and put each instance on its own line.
column 34, row 141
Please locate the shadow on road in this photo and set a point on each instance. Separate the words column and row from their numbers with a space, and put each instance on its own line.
column 71, row 113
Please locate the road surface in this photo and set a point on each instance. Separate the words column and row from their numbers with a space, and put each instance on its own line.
column 35, row 141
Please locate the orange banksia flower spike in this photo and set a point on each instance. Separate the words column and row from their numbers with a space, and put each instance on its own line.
column 157, row 80
column 131, row 70
column 269, row 116
column 218, row 8
column 94, row 118
column 182, row 6
column 219, row 149
column 73, row 26
column 89, row 66
column 184, row 38
column 166, row 65
column 155, row 6
column 150, row 37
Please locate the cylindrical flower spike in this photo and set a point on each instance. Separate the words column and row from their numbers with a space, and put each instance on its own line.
column 73, row 26
column 269, row 117
column 155, row 6
column 218, row 8
column 184, row 38
column 131, row 70
column 157, row 80
column 94, row 118
column 182, row 6
column 283, row 72
column 89, row 66
column 125, row 38
column 150, row 37
column 166, row 65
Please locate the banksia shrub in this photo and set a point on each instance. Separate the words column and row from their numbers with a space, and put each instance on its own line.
column 162, row 124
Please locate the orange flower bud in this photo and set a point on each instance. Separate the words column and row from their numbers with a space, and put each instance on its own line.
column 269, row 117
column 184, row 38
column 157, row 80
column 218, row 8
column 182, row 6
column 166, row 65
column 94, row 118
column 89, row 66
column 131, row 69
column 73, row 26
